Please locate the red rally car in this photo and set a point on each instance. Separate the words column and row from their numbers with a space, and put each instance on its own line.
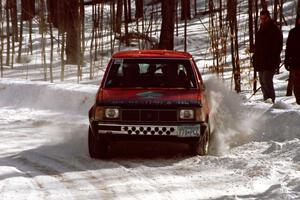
column 150, row 95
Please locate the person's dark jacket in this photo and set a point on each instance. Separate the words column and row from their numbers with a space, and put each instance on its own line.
column 292, row 51
column 268, row 46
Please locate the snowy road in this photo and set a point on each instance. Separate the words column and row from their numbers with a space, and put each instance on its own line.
column 43, row 154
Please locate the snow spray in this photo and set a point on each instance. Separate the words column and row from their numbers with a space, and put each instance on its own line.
column 232, row 123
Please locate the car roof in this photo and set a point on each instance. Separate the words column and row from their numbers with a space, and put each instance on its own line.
column 152, row 54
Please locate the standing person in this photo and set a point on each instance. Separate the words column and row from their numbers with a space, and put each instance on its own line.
column 266, row 58
column 292, row 58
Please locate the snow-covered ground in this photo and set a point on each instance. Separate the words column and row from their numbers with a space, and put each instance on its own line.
column 43, row 151
column 255, row 151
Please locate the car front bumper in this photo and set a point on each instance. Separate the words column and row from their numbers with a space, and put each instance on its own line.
column 190, row 130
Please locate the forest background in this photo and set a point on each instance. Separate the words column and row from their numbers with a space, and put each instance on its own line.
column 83, row 34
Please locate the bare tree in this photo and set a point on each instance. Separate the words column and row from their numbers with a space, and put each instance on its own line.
column 118, row 18
column 167, row 26
column 255, row 31
column 62, row 57
column 275, row 10
column 185, row 9
column 232, row 12
column 51, row 52
column 251, row 34
column 218, row 36
column 129, row 10
column 1, row 41
column 112, row 26
column 14, row 19
column 42, row 32
column 27, row 13
column 64, row 15
column 82, row 39
column 126, row 22
column 7, row 9
column 139, row 5
column 73, row 32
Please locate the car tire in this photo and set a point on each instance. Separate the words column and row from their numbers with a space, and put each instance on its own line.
column 98, row 146
column 201, row 146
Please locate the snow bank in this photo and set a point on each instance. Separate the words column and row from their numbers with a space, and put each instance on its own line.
column 280, row 125
column 71, row 98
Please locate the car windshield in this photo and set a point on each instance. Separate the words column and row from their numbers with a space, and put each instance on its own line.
column 167, row 73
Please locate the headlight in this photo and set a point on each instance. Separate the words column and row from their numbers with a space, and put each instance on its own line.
column 112, row 113
column 186, row 114
column 192, row 114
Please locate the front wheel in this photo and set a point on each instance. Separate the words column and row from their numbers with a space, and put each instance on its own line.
column 98, row 146
column 200, row 147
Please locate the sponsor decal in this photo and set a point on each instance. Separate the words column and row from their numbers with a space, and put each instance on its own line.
column 149, row 102
column 149, row 95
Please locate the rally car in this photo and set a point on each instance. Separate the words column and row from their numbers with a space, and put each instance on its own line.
column 150, row 95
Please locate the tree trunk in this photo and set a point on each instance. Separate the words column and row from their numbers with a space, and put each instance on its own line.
column 112, row 19
column 82, row 13
column 255, row 31
column 94, row 18
column 176, row 18
column 250, row 25
column 251, row 39
column 73, row 33
column 232, row 12
column 185, row 9
column 64, row 15
column 167, row 26
column 275, row 12
column 82, row 39
column 14, row 19
column 20, row 42
column 129, row 10
column 1, row 42
column 281, row 14
column 42, row 30
column 7, row 36
column 185, row 34
column 139, row 5
column 221, row 15
column 27, row 14
column 51, row 53
column 126, row 22
column 119, row 16
column 28, row 9
column 62, row 57
column 30, row 35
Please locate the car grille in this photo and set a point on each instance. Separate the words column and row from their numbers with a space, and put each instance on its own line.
column 149, row 115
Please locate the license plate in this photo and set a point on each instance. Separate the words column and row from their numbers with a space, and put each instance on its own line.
column 189, row 131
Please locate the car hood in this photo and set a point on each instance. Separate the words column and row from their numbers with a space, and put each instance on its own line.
column 155, row 97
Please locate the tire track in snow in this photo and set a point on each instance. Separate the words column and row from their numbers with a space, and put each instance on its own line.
column 72, row 184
